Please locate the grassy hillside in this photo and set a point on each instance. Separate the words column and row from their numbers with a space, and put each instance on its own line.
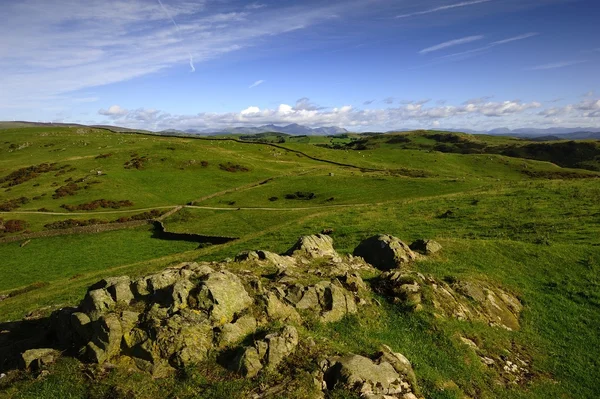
column 569, row 154
column 530, row 226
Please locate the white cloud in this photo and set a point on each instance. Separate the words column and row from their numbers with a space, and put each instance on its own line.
column 443, row 8
column 451, row 43
column 113, row 111
column 556, row 65
column 250, row 111
column 257, row 83
column 412, row 114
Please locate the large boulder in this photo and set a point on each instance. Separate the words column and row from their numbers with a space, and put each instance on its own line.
column 370, row 378
column 314, row 247
column 385, row 252
column 222, row 295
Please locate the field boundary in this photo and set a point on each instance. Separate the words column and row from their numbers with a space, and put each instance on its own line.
column 96, row 228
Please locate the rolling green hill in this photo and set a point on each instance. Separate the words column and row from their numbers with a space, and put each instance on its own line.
column 524, row 215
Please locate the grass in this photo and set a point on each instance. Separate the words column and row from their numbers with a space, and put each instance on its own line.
column 529, row 226
column 56, row 258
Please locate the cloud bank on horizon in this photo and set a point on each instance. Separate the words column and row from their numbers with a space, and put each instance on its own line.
column 366, row 65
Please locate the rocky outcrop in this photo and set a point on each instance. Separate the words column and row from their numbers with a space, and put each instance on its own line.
column 385, row 252
column 253, row 315
column 389, row 375
column 268, row 352
column 178, row 317
column 463, row 300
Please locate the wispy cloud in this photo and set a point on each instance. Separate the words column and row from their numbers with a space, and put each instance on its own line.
column 192, row 67
column 451, row 43
column 491, row 45
column 556, row 65
column 255, row 6
column 443, row 8
column 48, row 49
column 257, row 83
column 514, row 38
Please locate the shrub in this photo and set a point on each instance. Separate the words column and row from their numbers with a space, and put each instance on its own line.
column 101, row 203
column 231, row 167
column 24, row 174
column 301, row 195
column 67, row 190
column 136, row 162
column 14, row 225
column 70, row 223
column 9, row 205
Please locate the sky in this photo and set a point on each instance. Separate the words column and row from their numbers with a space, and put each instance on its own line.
column 365, row 65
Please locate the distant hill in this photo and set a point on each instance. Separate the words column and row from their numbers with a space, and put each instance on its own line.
column 563, row 133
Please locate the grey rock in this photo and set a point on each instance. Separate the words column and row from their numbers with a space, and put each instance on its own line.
column 223, row 295
column 35, row 359
column 281, row 345
column 385, row 252
column 97, row 301
column 315, row 246
column 277, row 310
column 120, row 289
column 234, row 332
column 426, row 247
column 247, row 362
column 361, row 374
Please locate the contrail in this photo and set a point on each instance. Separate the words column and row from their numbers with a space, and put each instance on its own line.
column 178, row 33
column 442, row 8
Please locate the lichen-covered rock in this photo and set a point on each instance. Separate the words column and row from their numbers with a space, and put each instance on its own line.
column 96, row 302
column 385, row 252
column 463, row 300
column 247, row 362
column 335, row 302
column 315, row 246
column 120, row 289
column 222, row 295
column 234, row 332
column 266, row 353
column 106, row 341
column 370, row 378
column 35, row 359
column 426, row 247
column 277, row 310
column 179, row 294
column 280, row 345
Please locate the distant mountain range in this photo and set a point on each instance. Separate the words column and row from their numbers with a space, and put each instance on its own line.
column 553, row 133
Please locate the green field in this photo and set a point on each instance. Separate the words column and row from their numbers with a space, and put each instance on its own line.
column 525, row 224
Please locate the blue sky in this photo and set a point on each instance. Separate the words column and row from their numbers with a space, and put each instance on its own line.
column 358, row 64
